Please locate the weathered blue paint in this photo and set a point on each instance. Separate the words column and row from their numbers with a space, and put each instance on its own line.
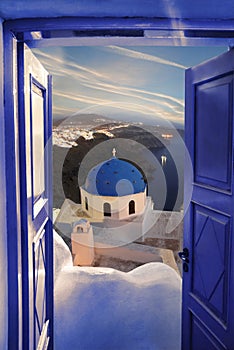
column 22, row 28
column 24, row 203
column 49, row 251
column 208, row 286
column 117, row 8
column 154, row 31
column 64, row 24
column 34, row 198
column 42, row 222
column 3, row 246
column 11, row 209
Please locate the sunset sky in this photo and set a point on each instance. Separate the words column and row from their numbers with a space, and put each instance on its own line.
column 143, row 83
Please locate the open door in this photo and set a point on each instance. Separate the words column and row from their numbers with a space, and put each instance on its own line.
column 35, row 127
column 208, row 256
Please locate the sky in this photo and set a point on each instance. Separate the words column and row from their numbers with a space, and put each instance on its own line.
column 141, row 84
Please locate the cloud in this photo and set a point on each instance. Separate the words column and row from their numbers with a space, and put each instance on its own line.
column 72, row 89
column 156, row 94
column 62, row 110
column 162, row 99
column 144, row 109
column 81, row 98
column 144, row 56
column 123, row 89
column 53, row 60
column 93, row 79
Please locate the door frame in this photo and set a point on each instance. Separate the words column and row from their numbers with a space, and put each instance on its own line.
column 17, row 223
column 143, row 31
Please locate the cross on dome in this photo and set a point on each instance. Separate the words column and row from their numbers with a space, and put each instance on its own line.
column 113, row 152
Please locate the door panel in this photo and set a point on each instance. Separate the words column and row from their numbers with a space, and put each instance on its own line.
column 202, row 339
column 39, row 284
column 211, row 242
column 36, row 208
column 37, row 122
column 212, row 104
column 208, row 285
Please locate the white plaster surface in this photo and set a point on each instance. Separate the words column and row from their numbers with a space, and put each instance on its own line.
column 62, row 255
column 103, row 309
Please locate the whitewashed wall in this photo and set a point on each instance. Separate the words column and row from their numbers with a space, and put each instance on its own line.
column 3, row 236
column 119, row 205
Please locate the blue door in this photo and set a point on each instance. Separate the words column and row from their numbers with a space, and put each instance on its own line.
column 208, row 257
column 34, row 86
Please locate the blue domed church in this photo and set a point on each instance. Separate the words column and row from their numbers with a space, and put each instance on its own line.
column 114, row 189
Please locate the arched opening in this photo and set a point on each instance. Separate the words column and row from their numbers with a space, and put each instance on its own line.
column 86, row 204
column 107, row 209
column 131, row 207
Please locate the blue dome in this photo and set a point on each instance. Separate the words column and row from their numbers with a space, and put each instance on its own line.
column 115, row 177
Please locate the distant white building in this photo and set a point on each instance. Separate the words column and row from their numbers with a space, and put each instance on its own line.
column 114, row 189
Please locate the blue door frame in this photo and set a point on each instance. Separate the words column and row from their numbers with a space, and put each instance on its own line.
column 11, row 206
column 13, row 240
column 42, row 250
column 82, row 31
column 143, row 31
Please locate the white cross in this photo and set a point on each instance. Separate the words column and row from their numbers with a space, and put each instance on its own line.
column 114, row 152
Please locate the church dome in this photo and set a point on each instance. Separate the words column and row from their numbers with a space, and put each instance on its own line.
column 115, row 177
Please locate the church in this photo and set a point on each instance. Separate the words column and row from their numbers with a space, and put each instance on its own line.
column 115, row 202
column 114, row 189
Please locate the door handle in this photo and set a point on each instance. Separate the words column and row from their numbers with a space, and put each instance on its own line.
column 184, row 255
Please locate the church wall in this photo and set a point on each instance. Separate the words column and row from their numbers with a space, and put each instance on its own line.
column 119, row 205
column 138, row 198
column 3, row 245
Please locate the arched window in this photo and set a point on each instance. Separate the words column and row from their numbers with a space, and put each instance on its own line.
column 107, row 209
column 131, row 207
column 86, row 203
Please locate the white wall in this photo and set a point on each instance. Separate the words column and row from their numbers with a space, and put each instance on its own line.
column 119, row 205
column 3, row 235
column 102, row 308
